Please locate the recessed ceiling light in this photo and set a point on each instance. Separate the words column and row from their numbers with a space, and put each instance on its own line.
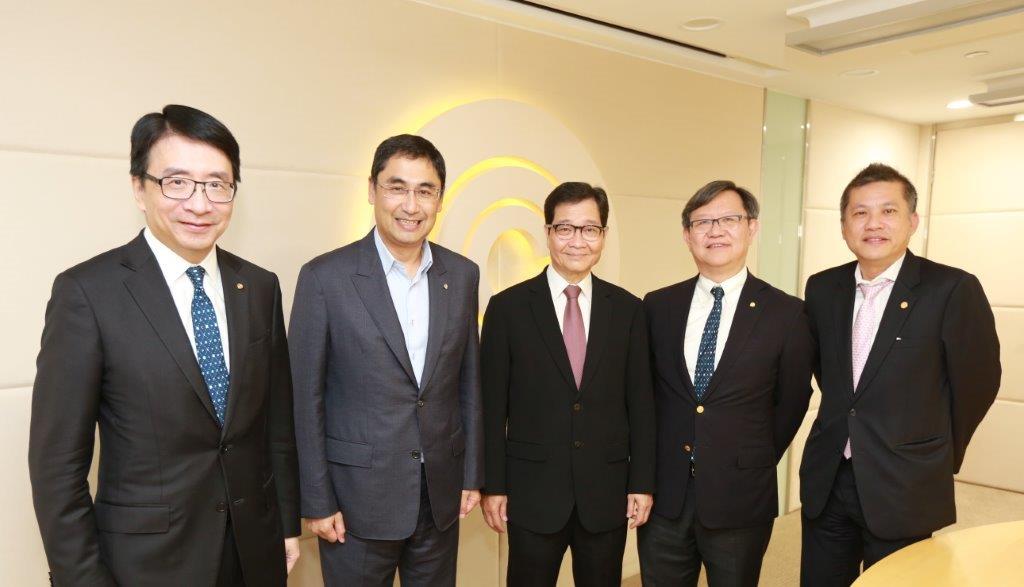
column 959, row 104
column 865, row 72
column 1019, row 117
column 975, row 54
column 704, row 23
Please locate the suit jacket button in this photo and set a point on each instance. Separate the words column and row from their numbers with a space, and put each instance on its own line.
column 225, row 449
column 239, row 501
column 576, row 407
column 419, row 404
column 221, row 507
column 700, row 409
column 687, row 448
column 577, row 444
column 853, row 412
column 415, row 454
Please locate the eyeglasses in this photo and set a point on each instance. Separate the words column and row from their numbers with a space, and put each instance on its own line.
column 183, row 188
column 704, row 225
column 423, row 193
column 565, row 231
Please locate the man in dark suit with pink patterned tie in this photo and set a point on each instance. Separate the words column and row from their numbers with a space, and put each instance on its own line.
column 568, row 406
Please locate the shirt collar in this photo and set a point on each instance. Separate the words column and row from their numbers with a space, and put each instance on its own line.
column 734, row 283
column 557, row 283
column 388, row 261
column 173, row 265
column 891, row 273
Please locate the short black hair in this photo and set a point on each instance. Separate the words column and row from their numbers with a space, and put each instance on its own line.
column 572, row 192
column 711, row 190
column 410, row 147
column 879, row 172
column 187, row 122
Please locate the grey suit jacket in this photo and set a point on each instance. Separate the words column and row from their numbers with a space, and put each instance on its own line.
column 361, row 420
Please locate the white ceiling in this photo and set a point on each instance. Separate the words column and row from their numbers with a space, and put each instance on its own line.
column 917, row 76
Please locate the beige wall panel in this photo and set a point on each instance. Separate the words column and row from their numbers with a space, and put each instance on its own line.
column 977, row 169
column 796, row 452
column 1010, row 325
column 993, row 457
column 987, row 245
column 58, row 211
column 22, row 560
column 823, row 245
column 478, row 553
column 310, row 87
column 283, row 219
column 651, row 237
column 307, row 571
column 653, row 129
column 842, row 142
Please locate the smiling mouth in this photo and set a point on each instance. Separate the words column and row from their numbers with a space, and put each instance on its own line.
column 408, row 223
column 195, row 225
column 875, row 240
column 717, row 246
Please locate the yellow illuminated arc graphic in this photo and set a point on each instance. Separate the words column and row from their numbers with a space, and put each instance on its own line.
column 494, row 207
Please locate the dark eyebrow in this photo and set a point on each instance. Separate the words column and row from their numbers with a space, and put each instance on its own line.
column 178, row 172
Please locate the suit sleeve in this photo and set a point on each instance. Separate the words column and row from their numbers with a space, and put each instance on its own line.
column 469, row 397
column 793, row 383
column 640, row 406
column 495, row 369
column 65, row 403
column 283, row 458
column 972, row 360
column 308, row 343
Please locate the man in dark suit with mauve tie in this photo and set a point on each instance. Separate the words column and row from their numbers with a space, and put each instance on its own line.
column 387, row 392
column 732, row 361
column 908, row 367
column 568, row 409
column 176, row 348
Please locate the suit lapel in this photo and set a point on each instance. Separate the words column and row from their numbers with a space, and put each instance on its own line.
column 543, row 309
column 148, row 288
column 236, row 303
column 600, row 330
column 370, row 282
column 679, row 312
column 439, row 301
column 846, row 288
column 748, row 311
column 893, row 317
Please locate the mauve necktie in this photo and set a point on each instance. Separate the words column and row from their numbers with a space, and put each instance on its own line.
column 209, row 349
column 863, row 324
column 573, row 334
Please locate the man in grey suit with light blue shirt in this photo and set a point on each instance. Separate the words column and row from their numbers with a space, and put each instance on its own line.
column 385, row 347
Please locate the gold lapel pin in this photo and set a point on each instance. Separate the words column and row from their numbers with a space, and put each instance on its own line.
column 445, row 286
column 904, row 305
column 753, row 304
column 239, row 285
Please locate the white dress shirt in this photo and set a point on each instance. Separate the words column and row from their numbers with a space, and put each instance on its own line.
column 881, row 299
column 411, row 298
column 557, row 283
column 700, row 309
column 173, row 268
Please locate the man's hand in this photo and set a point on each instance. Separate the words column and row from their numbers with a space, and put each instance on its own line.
column 494, row 507
column 331, row 528
column 291, row 552
column 638, row 508
column 470, row 497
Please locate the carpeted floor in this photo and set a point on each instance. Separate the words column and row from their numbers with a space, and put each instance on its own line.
column 976, row 506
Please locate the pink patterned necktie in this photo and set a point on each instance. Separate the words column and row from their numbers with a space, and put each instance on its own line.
column 573, row 334
column 863, row 335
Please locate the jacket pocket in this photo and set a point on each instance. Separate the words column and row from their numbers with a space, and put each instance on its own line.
column 924, row 445
column 526, row 451
column 132, row 519
column 343, row 452
column 755, row 458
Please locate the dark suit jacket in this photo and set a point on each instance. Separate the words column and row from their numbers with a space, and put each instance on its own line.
column 114, row 351
column 551, row 446
column 753, row 406
column 930, row 377
column 361, row 419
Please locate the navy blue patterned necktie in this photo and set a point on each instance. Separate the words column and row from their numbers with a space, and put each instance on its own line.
column 209, row 349
column 705, row 367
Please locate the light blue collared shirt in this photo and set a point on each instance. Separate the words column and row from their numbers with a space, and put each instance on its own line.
column 412, row 301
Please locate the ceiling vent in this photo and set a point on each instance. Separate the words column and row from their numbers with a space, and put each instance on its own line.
column 841, row 25
column 1005, row 87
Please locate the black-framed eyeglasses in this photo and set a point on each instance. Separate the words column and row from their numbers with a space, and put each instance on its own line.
column 565, row 231
column 182, row 188
column 398, row 190
column 704, row 225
